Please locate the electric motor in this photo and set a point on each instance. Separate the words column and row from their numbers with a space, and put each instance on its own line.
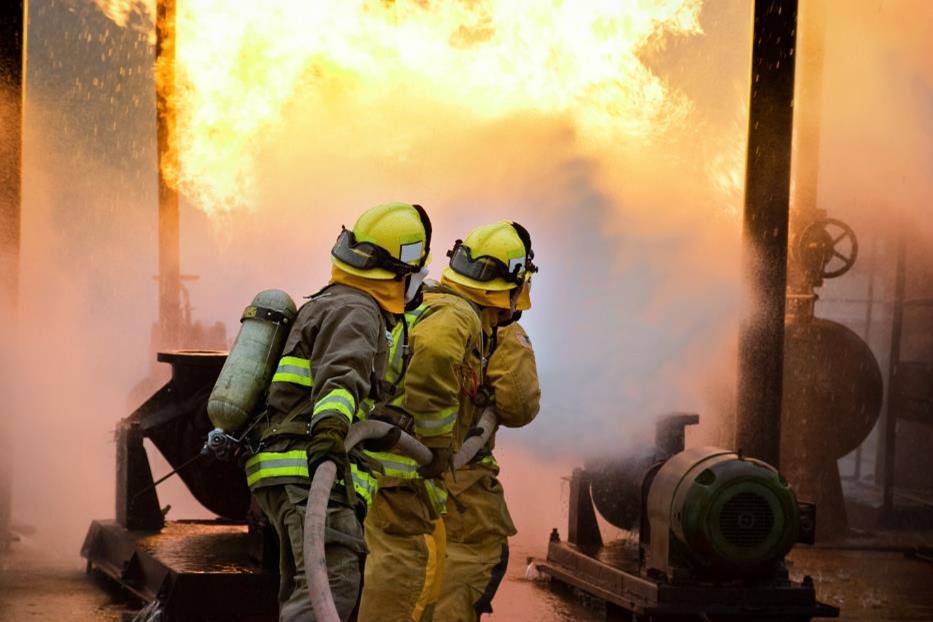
column 713, row 512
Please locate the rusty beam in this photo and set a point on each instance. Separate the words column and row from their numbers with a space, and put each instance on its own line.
column 767, row 197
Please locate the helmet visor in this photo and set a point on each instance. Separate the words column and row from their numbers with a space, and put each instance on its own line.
column 487, row 268
column 368, row 256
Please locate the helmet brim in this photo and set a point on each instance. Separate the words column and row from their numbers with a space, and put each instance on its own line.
column 377, row 274
column 495, row 285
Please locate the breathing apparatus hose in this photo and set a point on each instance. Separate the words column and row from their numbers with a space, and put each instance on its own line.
column 322, row 599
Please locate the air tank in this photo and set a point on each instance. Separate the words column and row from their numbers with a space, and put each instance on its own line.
column 252, row 360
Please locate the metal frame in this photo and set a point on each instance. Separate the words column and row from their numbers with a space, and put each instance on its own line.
column 12, row 79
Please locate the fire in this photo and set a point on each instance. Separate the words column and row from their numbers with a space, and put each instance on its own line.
column 239, row 69
column 130, row 13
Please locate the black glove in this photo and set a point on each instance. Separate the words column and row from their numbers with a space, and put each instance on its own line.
column 384, row 443
column 440, row 460
column 327, row 444
column 477, row 431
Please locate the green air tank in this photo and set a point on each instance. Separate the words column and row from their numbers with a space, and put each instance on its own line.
column 713, row 513
column 252, row 360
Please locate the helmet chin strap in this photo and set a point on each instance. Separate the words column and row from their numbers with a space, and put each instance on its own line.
column 413, row 287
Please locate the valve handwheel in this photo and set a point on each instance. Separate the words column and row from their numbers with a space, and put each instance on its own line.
column 833, row 243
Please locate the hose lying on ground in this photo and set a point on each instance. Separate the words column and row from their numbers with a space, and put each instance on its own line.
column 322, row 599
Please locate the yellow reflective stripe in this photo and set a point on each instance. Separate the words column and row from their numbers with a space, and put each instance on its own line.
column 269, row 464
column 364, row 484
column 340, row 400
column 438, row 496
column 436, row 424
column 295, row 361
column 396, row 350
column 294, row 369
column 489, row 460
column 281, row 376
column 396, row 465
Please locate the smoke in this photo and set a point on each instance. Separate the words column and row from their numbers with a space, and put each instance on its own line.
column 636, row 305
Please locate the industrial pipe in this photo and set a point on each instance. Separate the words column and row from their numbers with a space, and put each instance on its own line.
column 322, row 599
column 767, row 199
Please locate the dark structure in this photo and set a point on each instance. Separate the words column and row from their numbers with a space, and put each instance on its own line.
column 191, row 570
column 904, row 473
column 170, row 286
column 713, row 529
column 767, row 195
column 832, row 382
column 12, row 73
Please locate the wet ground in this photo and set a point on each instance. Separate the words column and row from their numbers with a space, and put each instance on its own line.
column 879, row 585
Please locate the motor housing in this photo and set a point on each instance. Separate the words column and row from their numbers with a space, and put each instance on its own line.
column 713, row 514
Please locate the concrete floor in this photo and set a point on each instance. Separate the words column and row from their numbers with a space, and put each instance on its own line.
column 875, row 585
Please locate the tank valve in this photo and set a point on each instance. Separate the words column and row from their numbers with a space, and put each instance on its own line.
column 220, row 444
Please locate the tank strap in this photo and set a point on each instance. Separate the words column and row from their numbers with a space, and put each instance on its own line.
column 290, row 428
column 253, row 312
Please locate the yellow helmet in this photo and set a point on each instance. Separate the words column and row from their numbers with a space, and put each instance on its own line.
column 389, row 241
column 493, row 257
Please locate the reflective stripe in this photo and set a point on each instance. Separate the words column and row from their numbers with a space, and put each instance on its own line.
column 340, row 400
column 397, row 349
column 304, row 381
column 438, row 496
column 489, row 461
column 363, row 483
column 437, row 424
column 294, row 369
column 396, row 465
column 270, row 464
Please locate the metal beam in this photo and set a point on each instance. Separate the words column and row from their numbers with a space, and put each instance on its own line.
column 894, row 403
column 767, row 196
column 12, row 72
column 170, row 311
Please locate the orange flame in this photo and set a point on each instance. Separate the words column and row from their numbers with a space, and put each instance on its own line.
column 238, row 70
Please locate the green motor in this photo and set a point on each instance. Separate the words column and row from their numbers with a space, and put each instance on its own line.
column 713, row 513
column 252, row 360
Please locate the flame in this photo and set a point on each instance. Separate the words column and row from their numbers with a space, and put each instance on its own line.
column 237, row 71
column 138, row 14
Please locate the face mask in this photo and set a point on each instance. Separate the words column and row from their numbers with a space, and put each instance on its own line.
column 414, row 284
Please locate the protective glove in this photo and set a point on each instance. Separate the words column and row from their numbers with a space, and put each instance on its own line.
column 384, row 443
column 477, row 431
column 327, row 444
column 440, row 461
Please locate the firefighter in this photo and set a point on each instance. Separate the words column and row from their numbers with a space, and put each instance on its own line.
column 441, row 385
column 478, row 522
column 334, row 353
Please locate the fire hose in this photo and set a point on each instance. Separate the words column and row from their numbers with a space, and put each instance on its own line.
column 322, row 599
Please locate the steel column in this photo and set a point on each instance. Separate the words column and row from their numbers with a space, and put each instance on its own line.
column 767, row 196
column 12, row 72
column 893, row 404
column 170, row 311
